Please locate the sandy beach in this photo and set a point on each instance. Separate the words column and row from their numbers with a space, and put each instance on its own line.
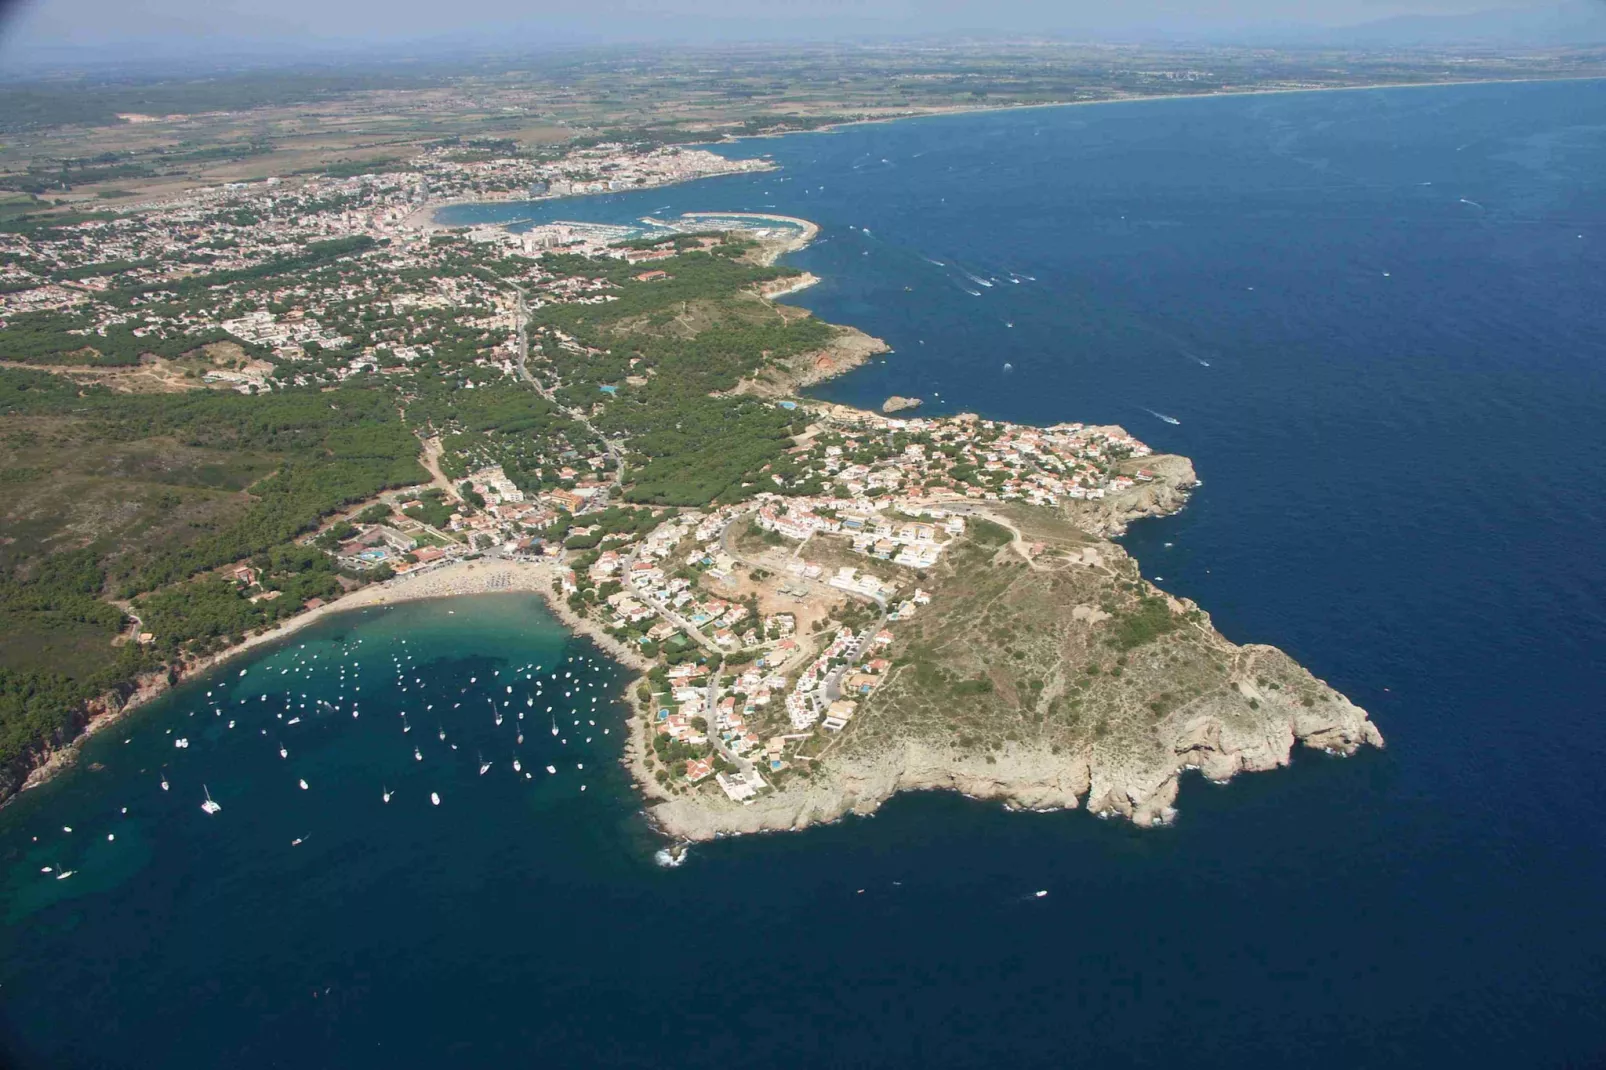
column 457, row 579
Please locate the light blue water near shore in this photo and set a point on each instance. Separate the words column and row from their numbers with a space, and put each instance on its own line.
column 1376, row 318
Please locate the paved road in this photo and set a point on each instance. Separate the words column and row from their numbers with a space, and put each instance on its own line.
column 524, row 373
column 832, row 685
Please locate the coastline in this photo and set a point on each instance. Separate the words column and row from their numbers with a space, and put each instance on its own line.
column 454, row 580
column 975, row 109
column 422, row 218
column 1212, row 738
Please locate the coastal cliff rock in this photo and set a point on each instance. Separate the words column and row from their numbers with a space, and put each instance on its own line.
column 1048, row 674
column 1133, row 779
column 847, row 349
column 1171, row 479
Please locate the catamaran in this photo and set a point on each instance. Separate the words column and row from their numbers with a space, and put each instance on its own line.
column 211, row 805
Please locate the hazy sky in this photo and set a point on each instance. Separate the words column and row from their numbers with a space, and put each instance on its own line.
column 45, row 23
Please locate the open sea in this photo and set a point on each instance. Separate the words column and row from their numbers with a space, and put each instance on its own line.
column 1378, row 320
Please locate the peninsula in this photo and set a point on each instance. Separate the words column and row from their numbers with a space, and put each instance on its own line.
column 346, row 404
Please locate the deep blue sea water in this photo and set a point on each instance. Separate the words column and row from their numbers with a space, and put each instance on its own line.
column 1378, row 318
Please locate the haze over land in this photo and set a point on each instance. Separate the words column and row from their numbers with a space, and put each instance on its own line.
column 47, row 31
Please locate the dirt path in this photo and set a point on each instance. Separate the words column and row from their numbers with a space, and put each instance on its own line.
column 431, row 462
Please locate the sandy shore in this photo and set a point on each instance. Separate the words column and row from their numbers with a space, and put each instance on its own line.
column 423, row 217
column 447, row 581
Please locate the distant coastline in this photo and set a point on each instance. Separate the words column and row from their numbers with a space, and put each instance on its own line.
column 423, row 217
column 975, row 109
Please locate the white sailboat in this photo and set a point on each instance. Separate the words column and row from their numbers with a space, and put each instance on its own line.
column 484, row 765
column 418, row 755
column 516, row 767
column 434, row 799
column 554, row 724
column 211, row 805
column 164, row 783
column 283, row 753
column 303, row 784
column 385, row 794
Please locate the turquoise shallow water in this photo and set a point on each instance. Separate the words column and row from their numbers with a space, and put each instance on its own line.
column 228, row 906
column 1377, row 318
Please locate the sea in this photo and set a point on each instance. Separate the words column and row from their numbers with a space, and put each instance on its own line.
column 1373, row 319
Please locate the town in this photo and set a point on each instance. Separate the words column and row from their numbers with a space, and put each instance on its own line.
column 766, row 607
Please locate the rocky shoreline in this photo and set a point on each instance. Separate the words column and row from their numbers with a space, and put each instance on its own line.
column 1215, row 735
column 1251, row 726
column 1033, row 777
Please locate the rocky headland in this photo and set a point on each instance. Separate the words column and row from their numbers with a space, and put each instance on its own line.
column 1048, row 674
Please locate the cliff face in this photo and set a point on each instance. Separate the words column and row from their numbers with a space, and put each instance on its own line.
column 37, row 764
